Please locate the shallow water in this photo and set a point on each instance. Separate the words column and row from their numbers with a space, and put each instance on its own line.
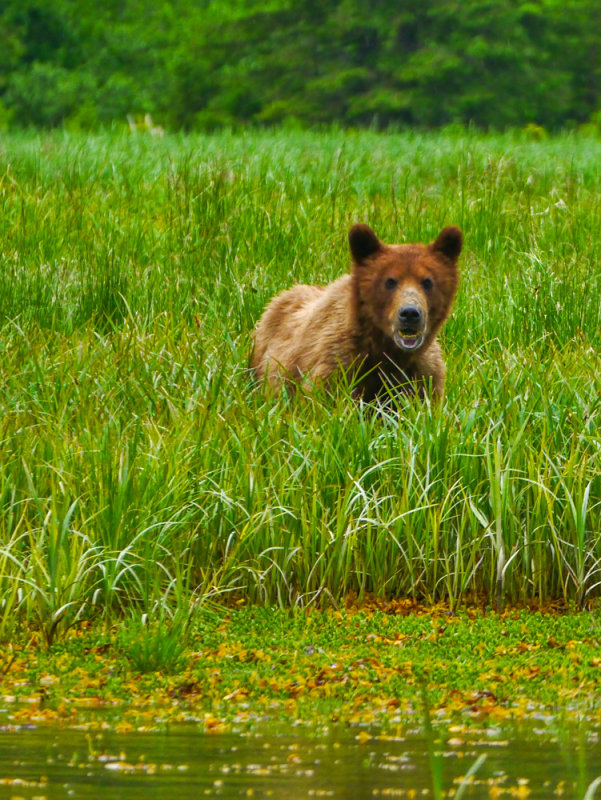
column 341, row 762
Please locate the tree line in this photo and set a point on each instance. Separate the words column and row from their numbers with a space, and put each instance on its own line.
column 213, row 63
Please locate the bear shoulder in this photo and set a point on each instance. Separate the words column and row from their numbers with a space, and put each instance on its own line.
column 305, row 329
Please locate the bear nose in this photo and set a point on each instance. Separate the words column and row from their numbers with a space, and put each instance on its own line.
column 410, row 315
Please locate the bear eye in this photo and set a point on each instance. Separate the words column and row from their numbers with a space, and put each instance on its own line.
column 427, row 284
column 391, row 283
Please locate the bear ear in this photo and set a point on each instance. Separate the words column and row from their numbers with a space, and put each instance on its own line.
column 449, row 242
column 364, row 242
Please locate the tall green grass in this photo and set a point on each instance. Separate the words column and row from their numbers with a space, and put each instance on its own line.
column 140, row 468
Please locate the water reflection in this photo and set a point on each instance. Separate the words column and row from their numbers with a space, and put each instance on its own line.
column 342, row 763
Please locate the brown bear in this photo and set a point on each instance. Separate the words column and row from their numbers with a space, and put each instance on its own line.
column 378, row 324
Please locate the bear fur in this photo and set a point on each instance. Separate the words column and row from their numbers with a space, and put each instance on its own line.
column 378, row 324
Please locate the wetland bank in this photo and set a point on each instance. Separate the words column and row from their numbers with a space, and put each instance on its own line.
column 155, row 505
column 271, row 702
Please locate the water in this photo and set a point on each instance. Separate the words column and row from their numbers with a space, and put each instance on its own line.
column 340, row 762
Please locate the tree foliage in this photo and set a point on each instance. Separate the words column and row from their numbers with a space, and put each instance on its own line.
column 493, row 63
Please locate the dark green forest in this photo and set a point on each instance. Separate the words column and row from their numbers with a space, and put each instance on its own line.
column 213, row 63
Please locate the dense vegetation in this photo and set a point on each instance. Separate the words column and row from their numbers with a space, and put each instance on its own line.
column 201, row 65
column 140, row 469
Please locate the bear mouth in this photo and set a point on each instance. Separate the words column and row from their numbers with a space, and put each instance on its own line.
column 408, row 340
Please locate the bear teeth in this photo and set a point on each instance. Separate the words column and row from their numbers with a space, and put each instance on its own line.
column 408, row 341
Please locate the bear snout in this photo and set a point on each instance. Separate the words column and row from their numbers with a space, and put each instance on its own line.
column 411, row 318
column 410, row 323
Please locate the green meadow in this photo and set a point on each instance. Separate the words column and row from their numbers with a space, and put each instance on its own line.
column 142, row 473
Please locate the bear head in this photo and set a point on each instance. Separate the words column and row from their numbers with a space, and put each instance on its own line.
column 405, row 291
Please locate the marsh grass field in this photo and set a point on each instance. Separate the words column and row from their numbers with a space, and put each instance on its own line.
column 144, row 475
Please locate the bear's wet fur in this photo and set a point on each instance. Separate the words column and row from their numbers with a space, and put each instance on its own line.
column 378, row 324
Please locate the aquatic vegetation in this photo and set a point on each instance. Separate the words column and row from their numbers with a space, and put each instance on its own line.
column 357, row 666
column 511, row 702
